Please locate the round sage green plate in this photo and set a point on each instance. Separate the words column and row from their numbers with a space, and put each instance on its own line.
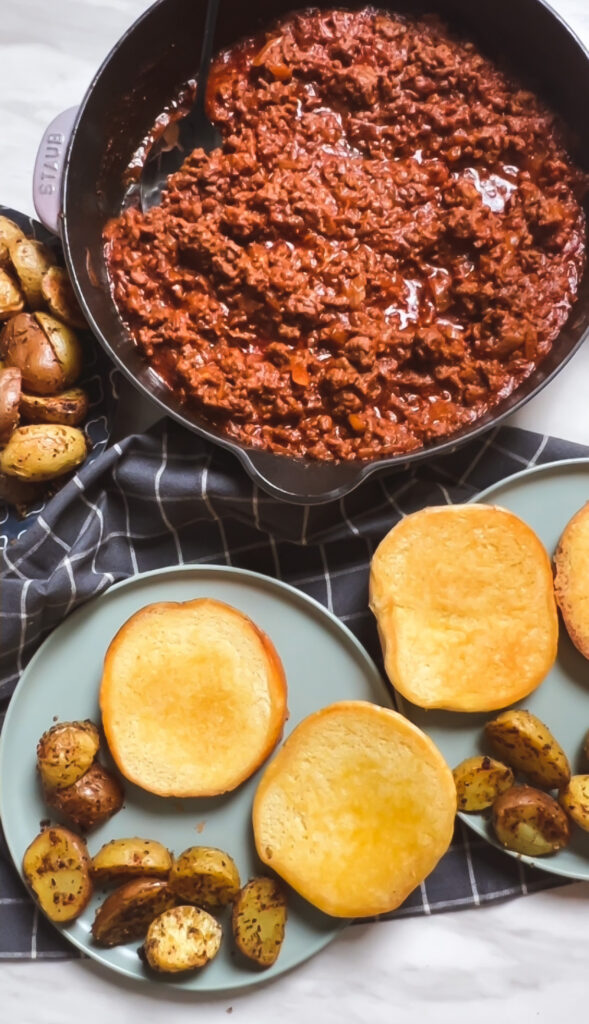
column 323, row 663
column 545, row 497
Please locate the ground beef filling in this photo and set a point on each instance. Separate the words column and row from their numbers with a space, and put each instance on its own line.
column 386, row 245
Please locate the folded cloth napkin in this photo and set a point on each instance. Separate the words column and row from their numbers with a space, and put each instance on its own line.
column 166, row 497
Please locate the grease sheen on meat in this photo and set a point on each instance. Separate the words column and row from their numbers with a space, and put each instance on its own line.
column 386, row 245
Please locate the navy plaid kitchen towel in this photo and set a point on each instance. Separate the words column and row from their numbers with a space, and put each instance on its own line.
column 165, row 497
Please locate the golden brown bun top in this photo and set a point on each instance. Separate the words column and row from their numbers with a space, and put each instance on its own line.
column 465, row 607
column 571, row 581
column 355, row 809
column 193, row 698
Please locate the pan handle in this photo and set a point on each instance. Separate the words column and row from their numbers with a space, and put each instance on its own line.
column 300, row 481
column 49, row 165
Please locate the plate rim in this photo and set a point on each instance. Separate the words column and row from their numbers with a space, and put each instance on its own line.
column 546, row 865
column 331, row 621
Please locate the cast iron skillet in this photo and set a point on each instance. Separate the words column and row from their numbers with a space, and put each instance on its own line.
column 134, row 84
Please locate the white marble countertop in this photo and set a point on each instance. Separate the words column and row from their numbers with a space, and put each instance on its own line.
column 523, row 959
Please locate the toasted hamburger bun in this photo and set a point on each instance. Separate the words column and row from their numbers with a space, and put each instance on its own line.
column 193, row 698
column 355, row 809
column 465, row 607
column 571, row 578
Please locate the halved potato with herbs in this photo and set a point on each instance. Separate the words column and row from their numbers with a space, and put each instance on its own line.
column 9, row 231
column 479, row 781
column 524, row 743
column 575, row 800
column 126, row 858
column 259, row 920
column 59, row 296
column 66, row 346
column 56, row 865
column 48, row 353
column 4, row 256
column 10, row 395
column 90, row 801
column 12, row 300
column 31, row 260
column 43, row 451
column 205, row 876
column 128, row 912
column 530, row 821
column 65, row 753
column 181, row 939
column 70, row 407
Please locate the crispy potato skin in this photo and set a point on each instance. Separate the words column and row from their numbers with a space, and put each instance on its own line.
column 10, row 396
column 31, row 260
column 205, row 876
column 69, row 408
column 43, row 451
column 56, row 866
column 524, row 743
column 9, row 231
column 90, row 801
column 479, row 781
column 65, row 753
column 259, row 919
column 126, row 858
column 529, row 821
column 575, row 800
column 24, row 344
column 59, row 296
column 128, row 912
column 66, row 346
column 181, row 939
column 12, row 300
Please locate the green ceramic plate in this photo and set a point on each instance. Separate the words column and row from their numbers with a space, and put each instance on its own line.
column 545, row 497
column 323, row 663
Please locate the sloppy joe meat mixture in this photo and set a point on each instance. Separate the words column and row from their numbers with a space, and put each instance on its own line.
column 386, row 244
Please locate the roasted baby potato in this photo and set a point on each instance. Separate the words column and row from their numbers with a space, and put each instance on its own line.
column 4, row 256
column 70, row 407
column 90, row 801
column 205, row 876
column 10, row 394
column 128, row 912
column 524, row 743
column 65, row 753
column 12, row 300
column 259, row 919
column 181, row 939
column 43, row 451
column 479, row 780
column 59, row 296
column 128, row 858
column 31, row 260
column 25, row 344
column 46, row 351
column 530, row 822
column 9, row 231
column 66, row 345
column 575, row 800
column 56, row 865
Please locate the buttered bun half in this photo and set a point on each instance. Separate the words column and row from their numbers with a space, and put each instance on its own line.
column 355, row 810
column 571, row 578
column 465, row 607
column 193, row 698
